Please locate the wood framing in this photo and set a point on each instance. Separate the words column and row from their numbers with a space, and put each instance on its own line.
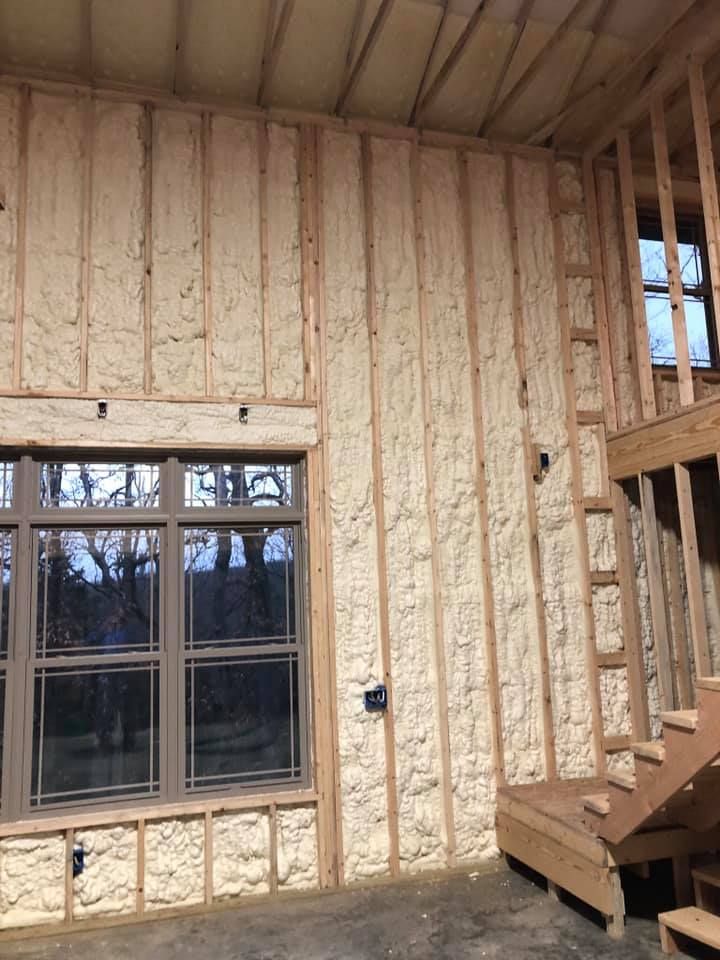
column 602, row 326
column 438, row 610
column 519, row 27
column 20, row 239
column 636, row 69
column 452, row 59
column 672, row 255
column 572, row 419
column 350, row 84
column 430, row 58
column 530, row 494
column 331, row 806
column 87, row 148
column 379, row 507
column 269, row 65
column 708, row 181
column 306, row 166
column 630, row 613
column 656, row 590
column 696, row 35
column 632, row 251
column 691, row 434
column 693, row 572
column 267, row 47
column 493, row 671
column 262, row 141
column 206, row 170
column 527, row 77
column 147, row 249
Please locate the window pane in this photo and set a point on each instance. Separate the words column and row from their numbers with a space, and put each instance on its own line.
column 95, row 733
column 7, row 470
column 6, row 552
column 239, row 586
column 238, row 485
column 660, row 329
column 242, row 721
column 697, row 327
column 97, row 591
column 652, row 261
column 690, row 264
column 100, row 485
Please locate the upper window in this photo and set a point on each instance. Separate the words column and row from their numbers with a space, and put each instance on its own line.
column 155, row 647
column 697, row 294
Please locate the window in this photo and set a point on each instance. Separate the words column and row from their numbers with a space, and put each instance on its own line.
column 151, row 630
column 697, row 294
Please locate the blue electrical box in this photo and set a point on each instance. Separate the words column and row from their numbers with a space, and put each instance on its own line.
column 376, row 699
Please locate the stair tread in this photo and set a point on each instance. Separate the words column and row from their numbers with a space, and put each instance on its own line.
column 695, row 923
column 619, row 778
column 684, row 719
column 649, row 750
column 708, row 683
column 709, row 874
column 598, row 803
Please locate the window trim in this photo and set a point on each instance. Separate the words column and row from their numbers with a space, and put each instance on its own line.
column 171, row 517
column 651, row 214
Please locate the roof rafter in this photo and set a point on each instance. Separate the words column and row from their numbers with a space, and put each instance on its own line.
column 269, row 65
column 641, row 64
column 520, row 24
column 87, row 40
column 181, row 12
column 452, row 59
column 429, row 60
column 351, row 81
column 267, row 46
column 597, row 28
column 532, row 69
column 697, row 36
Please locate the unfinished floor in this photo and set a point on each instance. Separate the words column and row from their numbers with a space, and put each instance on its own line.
column 502, row 914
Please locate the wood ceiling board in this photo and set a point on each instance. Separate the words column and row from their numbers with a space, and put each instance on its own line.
column 134, row 42
column 312, row 62
column 548, row 91
column 43, row 35
column 388, row 87
column 463, row 101
column 223, row 49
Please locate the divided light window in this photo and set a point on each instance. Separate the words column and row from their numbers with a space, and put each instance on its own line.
column 151, row 630
column 697, row 293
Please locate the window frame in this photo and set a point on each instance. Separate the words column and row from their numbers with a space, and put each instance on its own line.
column 651, row 215
column 25, row 517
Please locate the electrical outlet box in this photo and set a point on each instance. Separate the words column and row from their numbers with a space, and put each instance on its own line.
column 541, row 463
column 376, row 699
column 78, row 860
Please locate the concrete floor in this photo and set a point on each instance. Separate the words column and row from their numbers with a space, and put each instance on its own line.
column 502, row 915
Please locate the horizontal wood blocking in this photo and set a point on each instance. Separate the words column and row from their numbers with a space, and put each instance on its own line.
column 167, row 811
column 681, row 437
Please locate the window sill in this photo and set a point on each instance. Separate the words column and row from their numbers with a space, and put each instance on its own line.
column 160, row 811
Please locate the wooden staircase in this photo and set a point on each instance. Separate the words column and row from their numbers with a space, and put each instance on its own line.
column 676, row 780
column 700, row 922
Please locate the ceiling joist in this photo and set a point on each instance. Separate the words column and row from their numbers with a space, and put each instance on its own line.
column 269, row 65
column 352, row 80
column 452, row 59
column 533, row 68
column 267, row 46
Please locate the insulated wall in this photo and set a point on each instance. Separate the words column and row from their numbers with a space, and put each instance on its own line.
column 384, row 306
